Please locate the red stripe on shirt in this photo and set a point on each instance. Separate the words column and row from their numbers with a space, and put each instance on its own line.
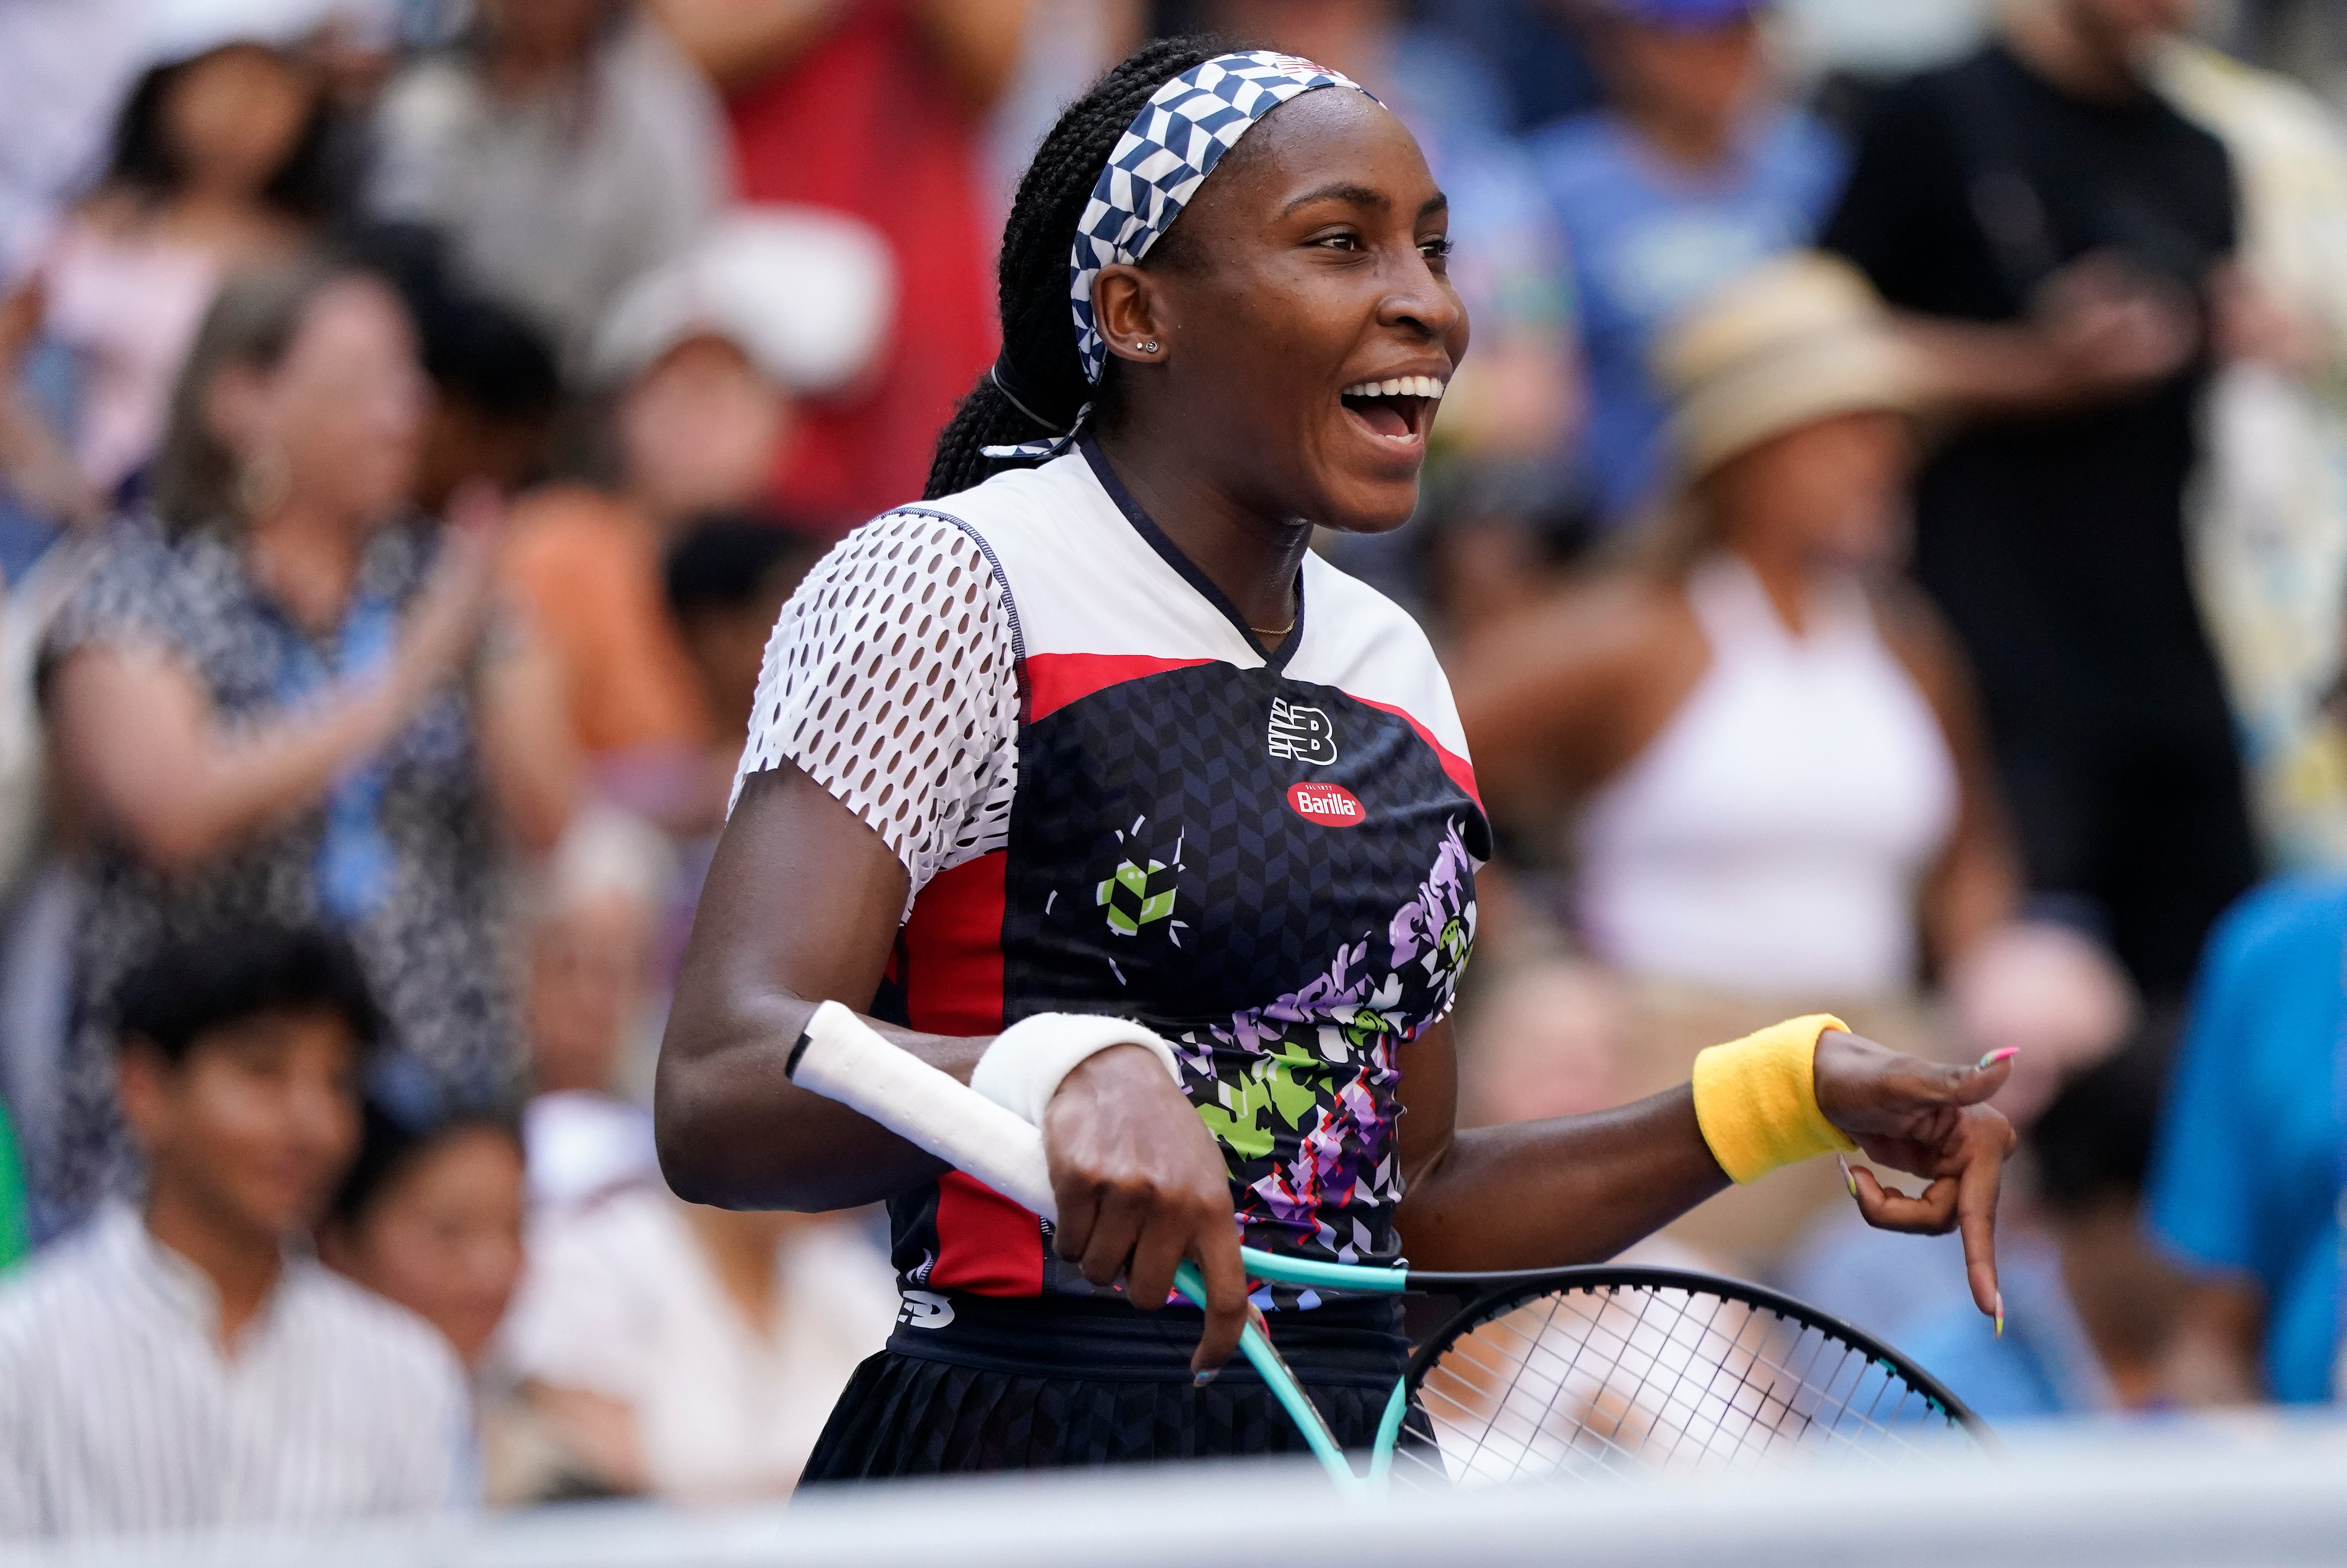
column 1056, row 679
column 1461, row 772
column 953, row 950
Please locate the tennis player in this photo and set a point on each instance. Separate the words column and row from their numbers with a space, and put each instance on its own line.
column 1098, row 790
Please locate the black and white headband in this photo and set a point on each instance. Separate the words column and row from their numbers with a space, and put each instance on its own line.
column 1158, row 162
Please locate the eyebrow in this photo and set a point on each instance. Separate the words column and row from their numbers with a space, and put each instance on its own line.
column 1362, row 196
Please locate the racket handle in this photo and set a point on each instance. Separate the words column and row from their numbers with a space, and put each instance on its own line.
column 842, row 1058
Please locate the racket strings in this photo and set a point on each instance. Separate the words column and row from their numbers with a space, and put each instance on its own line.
column 1639, row 1377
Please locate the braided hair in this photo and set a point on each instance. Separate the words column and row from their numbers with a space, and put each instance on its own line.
column 1038, row 334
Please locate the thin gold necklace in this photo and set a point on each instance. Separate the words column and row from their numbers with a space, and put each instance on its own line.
column 1273, row 631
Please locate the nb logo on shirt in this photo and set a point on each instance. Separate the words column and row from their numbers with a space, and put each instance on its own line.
column 925, row 1309
column 1302, row 734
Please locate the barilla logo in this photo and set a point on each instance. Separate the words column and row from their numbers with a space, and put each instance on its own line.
column 1324, row 803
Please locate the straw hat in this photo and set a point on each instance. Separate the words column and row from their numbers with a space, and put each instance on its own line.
column 1794, row 340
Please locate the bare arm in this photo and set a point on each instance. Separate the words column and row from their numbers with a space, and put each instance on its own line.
column 135, row 731
column 528, row 747
column 1579, row 1189
column 978, row 43
column 1554, row 701
column 2216, row 1356
column 801, row 906
column 2101, row 331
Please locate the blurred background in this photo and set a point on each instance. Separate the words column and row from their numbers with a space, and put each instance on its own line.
column 1889, row 541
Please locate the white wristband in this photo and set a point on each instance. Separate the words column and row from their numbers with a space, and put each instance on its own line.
column 1023, row 1069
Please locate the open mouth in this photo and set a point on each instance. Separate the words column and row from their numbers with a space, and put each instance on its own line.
column 1399, row 410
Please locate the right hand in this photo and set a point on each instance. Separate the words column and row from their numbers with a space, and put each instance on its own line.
column 452, row 611
column 1141, row 1185
column 2112, row 330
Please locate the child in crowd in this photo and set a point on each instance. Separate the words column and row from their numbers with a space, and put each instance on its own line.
column 268, row 1390
column 432, row 1217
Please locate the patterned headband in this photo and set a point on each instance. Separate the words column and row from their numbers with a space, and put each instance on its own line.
column 1167, row 151
column 1163, row 156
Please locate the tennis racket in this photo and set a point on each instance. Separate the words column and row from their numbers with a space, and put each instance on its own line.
column 1561, row 1372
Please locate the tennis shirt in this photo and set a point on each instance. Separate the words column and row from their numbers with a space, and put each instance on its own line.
column 1111, row 800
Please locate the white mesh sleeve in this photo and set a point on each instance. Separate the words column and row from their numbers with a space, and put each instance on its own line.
column 892, row 681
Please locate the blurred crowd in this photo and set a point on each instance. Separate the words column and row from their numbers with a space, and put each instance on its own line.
column 1889, row 542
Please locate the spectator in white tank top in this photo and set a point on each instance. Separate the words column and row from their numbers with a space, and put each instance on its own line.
column 1764, row 741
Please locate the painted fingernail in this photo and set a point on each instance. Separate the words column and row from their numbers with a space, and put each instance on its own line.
column 1200, row 1379
column 2000, row 1314
column 1849, row 1176
column 1994, row 1057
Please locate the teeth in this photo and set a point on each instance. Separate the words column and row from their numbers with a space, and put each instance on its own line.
column 1400, row 386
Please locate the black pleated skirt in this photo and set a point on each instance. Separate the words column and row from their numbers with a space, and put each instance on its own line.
column 1043, row 1385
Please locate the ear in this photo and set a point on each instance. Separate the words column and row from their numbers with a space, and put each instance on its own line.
column 236, row 406
column 1132, row 313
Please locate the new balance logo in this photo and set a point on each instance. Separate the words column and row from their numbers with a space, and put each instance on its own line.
column 924, row 1309
column 1302, row 734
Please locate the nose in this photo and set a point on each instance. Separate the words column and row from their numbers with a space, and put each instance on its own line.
column 1422, row 302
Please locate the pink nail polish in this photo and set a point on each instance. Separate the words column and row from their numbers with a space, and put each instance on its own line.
column 1994, row 1057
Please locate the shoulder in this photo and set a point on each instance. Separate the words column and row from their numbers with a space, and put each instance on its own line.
column 53, row 1288
column 1919, row 104
column 566, row 528
column 137, row 590
column 1608, row 623
column 919, row 558
column 1587, row 665
column 2282, row 924
column 1921, row 640
column 407, row 1356
column 1333, row 595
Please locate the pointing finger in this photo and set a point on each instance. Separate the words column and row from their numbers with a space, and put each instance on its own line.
column 1982, row 1174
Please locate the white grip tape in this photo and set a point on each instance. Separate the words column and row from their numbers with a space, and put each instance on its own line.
column 845, row 1058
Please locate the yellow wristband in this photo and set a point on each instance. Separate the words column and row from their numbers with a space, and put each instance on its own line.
column 1756, row 1099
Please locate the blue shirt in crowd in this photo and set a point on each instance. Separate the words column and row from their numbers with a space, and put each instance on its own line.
column 1647, row 241
column 2246, row 1173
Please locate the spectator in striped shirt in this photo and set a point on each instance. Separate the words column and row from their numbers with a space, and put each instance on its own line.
column 184, row 1365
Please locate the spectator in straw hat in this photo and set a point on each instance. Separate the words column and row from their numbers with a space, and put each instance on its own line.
column 1762, row 741
column 702, row 359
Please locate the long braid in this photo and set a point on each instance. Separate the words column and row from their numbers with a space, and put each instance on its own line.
column 1038, row 334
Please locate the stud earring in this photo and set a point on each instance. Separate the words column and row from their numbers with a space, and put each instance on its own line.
column 1150, row 347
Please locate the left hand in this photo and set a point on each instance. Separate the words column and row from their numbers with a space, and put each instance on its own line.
column 1929, row 1121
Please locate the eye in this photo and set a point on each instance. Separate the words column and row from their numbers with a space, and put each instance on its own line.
column 1437, row 249
column 1338, row 242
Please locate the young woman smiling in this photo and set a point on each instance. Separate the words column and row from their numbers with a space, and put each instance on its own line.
column 1039, row 777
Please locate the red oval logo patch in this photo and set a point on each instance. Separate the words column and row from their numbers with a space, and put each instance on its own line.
column 1326, row 803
